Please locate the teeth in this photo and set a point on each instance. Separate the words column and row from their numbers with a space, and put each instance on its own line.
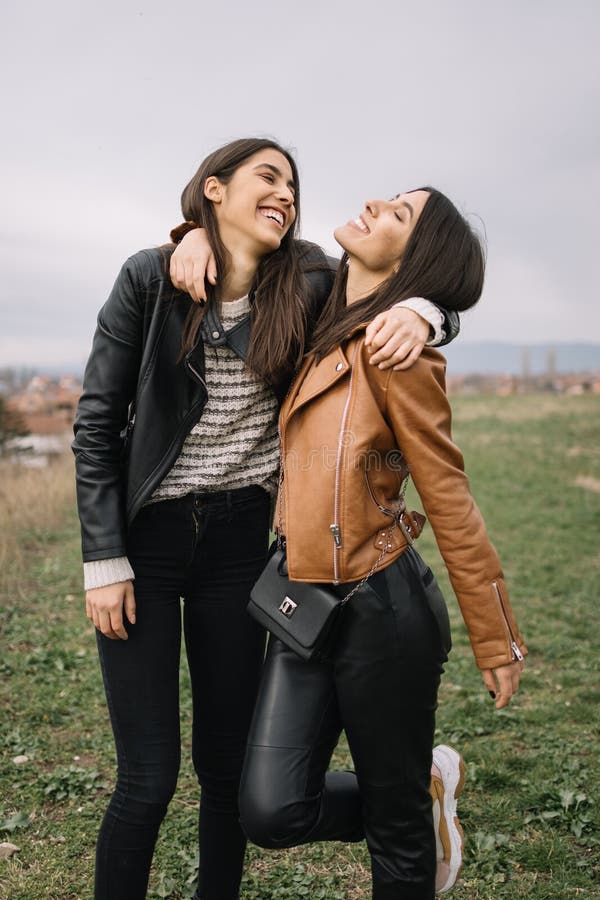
column 273, row 214
column 361, row 225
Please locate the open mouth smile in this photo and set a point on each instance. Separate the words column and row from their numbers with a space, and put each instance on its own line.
column 361, row 225
column 274, row 214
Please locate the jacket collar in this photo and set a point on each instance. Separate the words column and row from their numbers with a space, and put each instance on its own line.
column 313, row 380
column 213, row 333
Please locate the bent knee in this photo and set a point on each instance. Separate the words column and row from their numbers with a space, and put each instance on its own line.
column 273, row 823
column 147, row 788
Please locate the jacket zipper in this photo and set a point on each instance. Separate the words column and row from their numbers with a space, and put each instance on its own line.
column 334, row 528
column 175, row 448
column 513, row 644
column 197, row 374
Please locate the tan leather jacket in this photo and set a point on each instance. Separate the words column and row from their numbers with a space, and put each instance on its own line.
column 348, row 432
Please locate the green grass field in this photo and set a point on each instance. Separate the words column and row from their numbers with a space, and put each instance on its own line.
column 529, row 808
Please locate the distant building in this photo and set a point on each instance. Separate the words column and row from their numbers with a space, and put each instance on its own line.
column 47, row 405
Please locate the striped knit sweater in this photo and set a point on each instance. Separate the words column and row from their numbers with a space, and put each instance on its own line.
column 235, row 443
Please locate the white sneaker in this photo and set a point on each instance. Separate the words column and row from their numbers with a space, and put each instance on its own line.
column 447, row 780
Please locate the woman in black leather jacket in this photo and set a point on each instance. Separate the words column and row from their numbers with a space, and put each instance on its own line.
column 177, row 455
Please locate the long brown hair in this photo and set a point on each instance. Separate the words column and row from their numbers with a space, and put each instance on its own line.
column 279, row 321
column 444, row 261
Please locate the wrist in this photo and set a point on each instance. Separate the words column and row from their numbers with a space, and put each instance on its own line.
column 178, row 233
column 431, row 313
column 102, row 572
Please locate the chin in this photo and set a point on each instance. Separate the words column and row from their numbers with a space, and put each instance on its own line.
column 343, row 235
column 269, row 246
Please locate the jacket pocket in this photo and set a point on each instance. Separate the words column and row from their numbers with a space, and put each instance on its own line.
column 437, row 604
column 432, row 593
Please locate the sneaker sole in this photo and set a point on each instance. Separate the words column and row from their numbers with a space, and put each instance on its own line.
column 452, row 770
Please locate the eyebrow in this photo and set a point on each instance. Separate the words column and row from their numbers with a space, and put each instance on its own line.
column 276, row 171
column 408, row 205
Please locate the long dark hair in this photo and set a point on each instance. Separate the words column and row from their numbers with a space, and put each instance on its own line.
column 278, row 318
column 444, row 261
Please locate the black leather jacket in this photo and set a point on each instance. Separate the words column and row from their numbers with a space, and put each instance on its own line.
column 139, row 404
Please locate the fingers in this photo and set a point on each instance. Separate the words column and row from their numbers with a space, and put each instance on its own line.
column 515, row 674
column 489, row 680
column 173, row 272
column 399, row 351
column 503, row 682
column 105, row 605
column 410, row 358
column 373, row 327
column 191, row 263
column 392, row 351
column 211, row 269
column 379, row 332
column 194, row 282
column 106, row 626
column 187, row 274
column 397, row 338
column 129, row 604
column 178, row 273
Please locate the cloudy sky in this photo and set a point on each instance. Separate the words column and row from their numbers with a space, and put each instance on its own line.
column 110, row 106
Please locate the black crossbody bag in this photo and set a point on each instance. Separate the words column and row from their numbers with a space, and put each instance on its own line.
column 301, row 615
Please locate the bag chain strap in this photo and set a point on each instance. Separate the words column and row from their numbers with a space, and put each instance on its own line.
column 386, row 545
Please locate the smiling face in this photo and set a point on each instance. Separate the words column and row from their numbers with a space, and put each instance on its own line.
column 376, row 240
column 255, row 208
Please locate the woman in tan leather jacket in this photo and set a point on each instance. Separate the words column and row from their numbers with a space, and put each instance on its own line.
column 350, row 434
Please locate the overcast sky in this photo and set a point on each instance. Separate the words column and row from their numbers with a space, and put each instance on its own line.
column 110, row 107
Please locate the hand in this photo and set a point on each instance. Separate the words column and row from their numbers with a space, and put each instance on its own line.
column 396, row 338
column 105, row 607
column 191, row 263
column 503, row 682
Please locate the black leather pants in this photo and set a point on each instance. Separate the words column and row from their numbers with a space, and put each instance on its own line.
column 380, row 686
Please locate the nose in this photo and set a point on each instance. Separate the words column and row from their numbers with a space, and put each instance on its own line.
column 373, row 207
column 286, row 195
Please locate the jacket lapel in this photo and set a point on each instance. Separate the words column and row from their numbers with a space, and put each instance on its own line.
column 313, row 380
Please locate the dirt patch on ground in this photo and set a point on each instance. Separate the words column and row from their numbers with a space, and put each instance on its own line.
column 588, row 483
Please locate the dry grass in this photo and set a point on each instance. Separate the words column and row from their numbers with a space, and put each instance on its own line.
column 33, row 504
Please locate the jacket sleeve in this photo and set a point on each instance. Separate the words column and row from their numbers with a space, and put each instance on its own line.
column 319, row 270
column 109, row 387
column 419, row 413
column 451, row 324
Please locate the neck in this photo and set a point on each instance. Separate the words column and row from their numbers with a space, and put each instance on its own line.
column 239, row 278
column 361, row 282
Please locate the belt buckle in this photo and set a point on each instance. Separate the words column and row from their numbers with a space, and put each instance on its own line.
column 405, row 529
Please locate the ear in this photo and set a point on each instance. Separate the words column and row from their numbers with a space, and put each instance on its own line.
column 213, row 189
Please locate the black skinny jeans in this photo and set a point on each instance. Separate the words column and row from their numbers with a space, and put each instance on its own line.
column 208, row 549
column 380, row 686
